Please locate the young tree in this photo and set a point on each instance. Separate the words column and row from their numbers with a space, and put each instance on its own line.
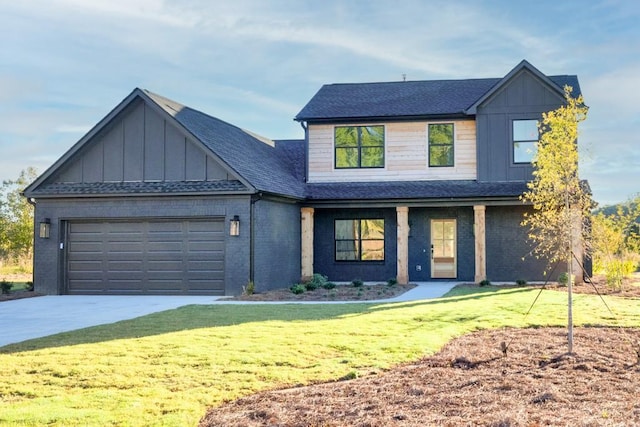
column 561, row 203
column 616, row 241
column 16, row 218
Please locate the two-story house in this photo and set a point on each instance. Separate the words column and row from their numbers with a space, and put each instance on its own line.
column 414, row 180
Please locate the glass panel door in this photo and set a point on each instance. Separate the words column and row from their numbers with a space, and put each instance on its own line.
column 443, row 248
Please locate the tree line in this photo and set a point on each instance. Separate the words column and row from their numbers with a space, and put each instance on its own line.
column 16, row 221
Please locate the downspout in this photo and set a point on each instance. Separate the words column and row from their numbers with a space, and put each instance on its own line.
column 32, row 202
column 306, row 148
column 252, row 239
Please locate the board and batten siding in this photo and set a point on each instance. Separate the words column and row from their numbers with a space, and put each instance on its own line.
column 405, row 154
column 141, row 145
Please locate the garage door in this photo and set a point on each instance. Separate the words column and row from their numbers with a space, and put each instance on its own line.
column 146, row 257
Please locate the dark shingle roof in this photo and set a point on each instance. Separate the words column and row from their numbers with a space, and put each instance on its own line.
column 404, row 99
column 139, row 188
column 252, row 157
column 413, row 190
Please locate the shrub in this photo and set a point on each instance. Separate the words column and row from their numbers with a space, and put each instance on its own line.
column 29, row 286
column 310, row 285
column 316, row 281
column 298, row 288
column 563, row 279
column 329, row 285
column 357, row 283
column 521, row 282
column 392, row 282
column 250, row 289
column 485, row 282
column 5, row 286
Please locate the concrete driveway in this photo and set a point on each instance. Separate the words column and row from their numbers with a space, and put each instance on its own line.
column 30, row 318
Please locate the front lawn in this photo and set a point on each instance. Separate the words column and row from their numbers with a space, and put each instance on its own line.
column 167, row 368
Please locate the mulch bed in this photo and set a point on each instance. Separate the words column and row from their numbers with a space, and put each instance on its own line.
column 339, row 293
column 471, row 382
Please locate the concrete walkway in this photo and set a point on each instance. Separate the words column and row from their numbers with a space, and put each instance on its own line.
column 30, row 318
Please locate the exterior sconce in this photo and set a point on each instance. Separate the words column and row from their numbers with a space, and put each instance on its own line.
column 234, row 226
column 45, row 228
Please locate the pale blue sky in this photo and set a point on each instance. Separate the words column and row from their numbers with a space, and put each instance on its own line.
column 64, row 64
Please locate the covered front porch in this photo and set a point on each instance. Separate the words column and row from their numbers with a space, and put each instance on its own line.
column 420, row 243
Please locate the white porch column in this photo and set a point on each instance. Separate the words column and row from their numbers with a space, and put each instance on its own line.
column 480, row 243
column 306, row 250
column 402, row 213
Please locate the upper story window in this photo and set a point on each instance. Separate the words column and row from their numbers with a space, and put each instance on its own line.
column 359, row 239
column 359, row 147
column 440, row 144
column 525, row 140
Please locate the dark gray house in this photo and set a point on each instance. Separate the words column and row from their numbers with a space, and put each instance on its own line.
column 416, row 180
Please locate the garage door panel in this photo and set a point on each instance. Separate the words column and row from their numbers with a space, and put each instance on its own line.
column 168, row 256
column 208, row 266
column 81, row 266
column 165, row 246
column 162, row 266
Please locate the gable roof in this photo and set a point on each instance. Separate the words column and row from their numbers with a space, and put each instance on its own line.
column 556, row 83
column 252, row 157
column 255, row 160
column 412, row 99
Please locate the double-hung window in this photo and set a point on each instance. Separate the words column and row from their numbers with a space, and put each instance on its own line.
column 359, row 239
column 525, row 140
column 359, row 147
column 441, row 151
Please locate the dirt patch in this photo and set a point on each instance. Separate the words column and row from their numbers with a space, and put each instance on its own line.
column 339, row 293
column 630, row 287
column 471, row 382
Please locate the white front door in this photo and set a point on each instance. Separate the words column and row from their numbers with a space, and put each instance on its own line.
column 443, row 248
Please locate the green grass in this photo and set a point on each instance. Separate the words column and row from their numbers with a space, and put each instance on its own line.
column 167, row 368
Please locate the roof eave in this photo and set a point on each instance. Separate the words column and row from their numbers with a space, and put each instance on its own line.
column 524, row 64
column 417, row 202
column 398, row 118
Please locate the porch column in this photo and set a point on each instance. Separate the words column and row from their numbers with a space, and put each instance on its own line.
column 480, row 245
column 402, row 213
column 306, row 250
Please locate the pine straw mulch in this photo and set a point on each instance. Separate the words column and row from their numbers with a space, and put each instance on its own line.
column 339, row 293
column 471, row 383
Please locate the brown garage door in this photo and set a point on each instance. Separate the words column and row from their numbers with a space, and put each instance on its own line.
column 146, row 257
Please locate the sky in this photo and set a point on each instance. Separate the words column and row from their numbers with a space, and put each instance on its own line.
column 64, row 64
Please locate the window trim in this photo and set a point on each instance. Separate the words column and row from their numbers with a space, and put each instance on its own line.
column 453, row 145
column 514, row 141
column 359, row 147
column 358, row 241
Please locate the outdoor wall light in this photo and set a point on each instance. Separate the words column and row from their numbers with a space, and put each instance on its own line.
column 45, row 228
column 234, row 226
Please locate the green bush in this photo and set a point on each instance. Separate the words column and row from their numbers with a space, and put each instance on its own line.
column 310, row 285
column 316, row 281
column 521, row 282
column 392, row 282
column 329, row 285
column 485, row 282
column 5, row 286
column 563, row 279
column 298, row 288
column 357, row 283
column 29, row 286
column 250, row 289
